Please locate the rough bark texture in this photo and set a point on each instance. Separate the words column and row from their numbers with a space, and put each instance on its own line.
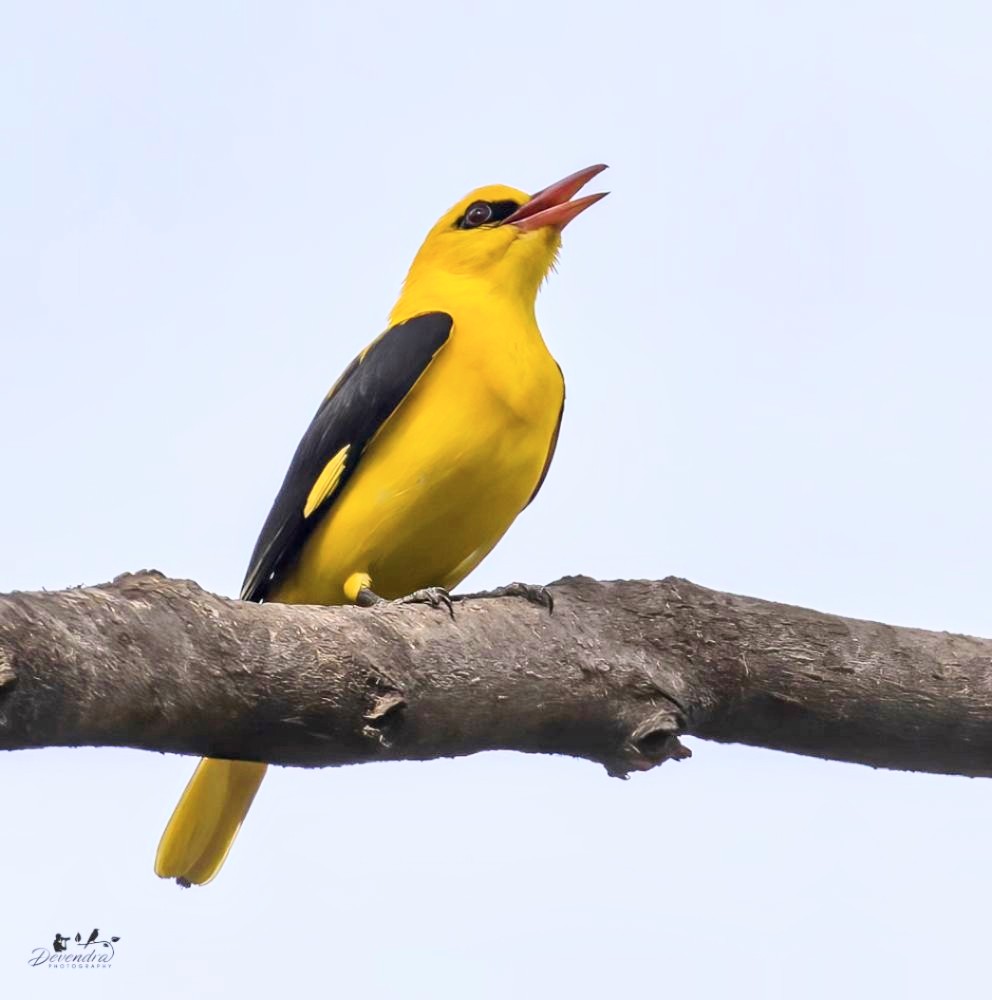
column 615, row 675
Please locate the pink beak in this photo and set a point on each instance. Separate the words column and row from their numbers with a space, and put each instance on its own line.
column 551, row 207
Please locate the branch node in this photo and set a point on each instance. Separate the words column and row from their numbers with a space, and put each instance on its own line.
column 392, row 701
column 385, row 714
column 7, row 674
column 653, row 741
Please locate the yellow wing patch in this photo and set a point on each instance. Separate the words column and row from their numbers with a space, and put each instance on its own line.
column 326, row 482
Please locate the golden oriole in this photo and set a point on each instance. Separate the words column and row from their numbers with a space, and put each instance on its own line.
column 417, row 461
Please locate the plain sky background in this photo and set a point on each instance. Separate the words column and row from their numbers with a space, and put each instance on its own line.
column 776, row 338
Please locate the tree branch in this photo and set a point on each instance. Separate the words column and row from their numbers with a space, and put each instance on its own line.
column 615, row 675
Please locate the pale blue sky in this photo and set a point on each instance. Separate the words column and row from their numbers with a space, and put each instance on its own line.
column 776, row 339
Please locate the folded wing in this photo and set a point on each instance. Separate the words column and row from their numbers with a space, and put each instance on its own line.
column 371, row 389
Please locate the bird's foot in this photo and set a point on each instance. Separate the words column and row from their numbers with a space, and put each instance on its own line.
column 531, row 592
column 436, row 597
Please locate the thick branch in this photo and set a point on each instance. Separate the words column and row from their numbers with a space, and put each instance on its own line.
column 615, row 675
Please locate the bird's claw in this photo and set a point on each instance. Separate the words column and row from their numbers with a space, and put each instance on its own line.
column 434, row 596
column 532, row 592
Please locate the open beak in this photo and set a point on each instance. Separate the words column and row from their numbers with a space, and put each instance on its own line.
column 551, row 207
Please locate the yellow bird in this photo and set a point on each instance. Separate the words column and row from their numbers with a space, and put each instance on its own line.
column 417, row 461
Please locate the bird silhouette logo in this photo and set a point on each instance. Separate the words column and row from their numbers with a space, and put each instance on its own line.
column 62, row 942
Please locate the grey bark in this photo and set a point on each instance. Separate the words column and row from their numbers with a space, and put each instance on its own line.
column 615, row 675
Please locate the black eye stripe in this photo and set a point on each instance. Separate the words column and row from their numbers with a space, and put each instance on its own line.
column 499, row 210
column 503, row 209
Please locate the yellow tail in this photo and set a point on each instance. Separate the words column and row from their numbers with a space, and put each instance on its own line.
column 207, row 819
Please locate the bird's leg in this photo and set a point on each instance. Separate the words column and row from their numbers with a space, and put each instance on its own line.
column 436, row 597
column 529, row 591
column 367, row 598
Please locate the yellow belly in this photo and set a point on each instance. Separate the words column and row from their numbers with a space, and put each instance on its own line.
column 443, row 480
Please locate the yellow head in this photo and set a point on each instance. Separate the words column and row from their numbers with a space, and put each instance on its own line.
column 499, row 237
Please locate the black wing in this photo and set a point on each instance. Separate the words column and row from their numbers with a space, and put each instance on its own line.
column 365, row 396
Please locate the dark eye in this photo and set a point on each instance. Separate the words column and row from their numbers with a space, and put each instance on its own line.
column 478, row 214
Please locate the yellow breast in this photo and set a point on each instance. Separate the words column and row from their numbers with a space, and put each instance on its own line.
column 450, row 470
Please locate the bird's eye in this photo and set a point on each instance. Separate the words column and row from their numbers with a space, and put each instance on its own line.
column 478, row 214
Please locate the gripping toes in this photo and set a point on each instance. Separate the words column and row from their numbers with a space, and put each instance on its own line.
column 531, row 592
column 434, row 596
column 534, row 593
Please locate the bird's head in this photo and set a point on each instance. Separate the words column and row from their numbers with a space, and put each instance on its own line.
column 501, row 237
